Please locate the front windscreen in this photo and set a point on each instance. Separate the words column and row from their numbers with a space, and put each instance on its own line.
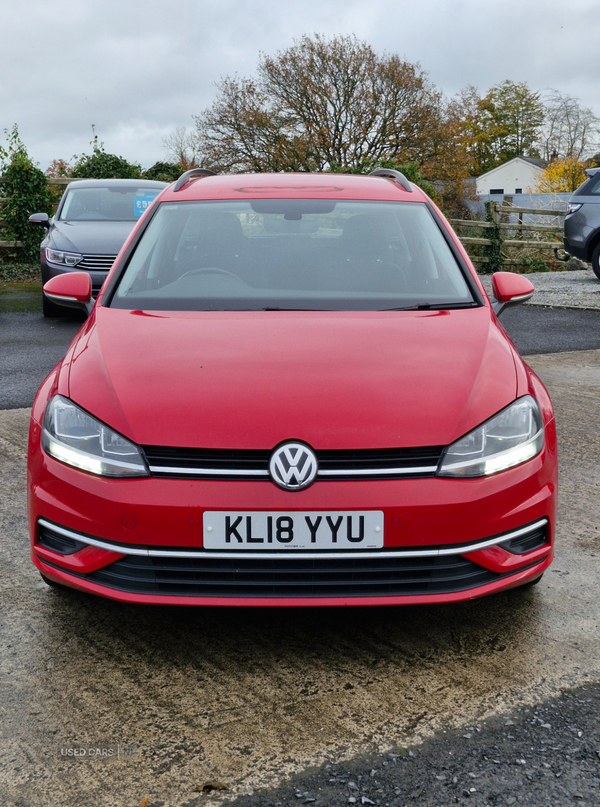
column 106, row 204
column 304, row 254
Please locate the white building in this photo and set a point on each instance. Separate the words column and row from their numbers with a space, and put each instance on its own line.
column 515, row 176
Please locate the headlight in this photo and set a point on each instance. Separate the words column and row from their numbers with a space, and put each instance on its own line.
column 72, row 436
column 511, row 437
column 573, row 208
column 64, row 258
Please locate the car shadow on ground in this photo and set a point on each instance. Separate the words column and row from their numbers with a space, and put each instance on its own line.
column 172, row 635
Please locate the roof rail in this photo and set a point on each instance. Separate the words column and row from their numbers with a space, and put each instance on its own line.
column 193, row 172
column 390, row 174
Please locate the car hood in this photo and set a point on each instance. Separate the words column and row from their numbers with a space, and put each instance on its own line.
column 331, row 379
column 90, row 237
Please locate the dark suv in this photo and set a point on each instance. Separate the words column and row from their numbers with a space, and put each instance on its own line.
column 582, row 222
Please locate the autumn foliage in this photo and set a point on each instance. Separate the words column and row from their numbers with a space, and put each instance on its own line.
column 561, row 176
column 331, row 105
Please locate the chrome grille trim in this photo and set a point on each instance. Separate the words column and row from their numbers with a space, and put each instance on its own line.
column 162, row 469
column 99, row 263
column 397, row 553
column 430, row 469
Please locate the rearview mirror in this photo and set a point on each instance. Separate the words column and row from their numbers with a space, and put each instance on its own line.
column 73, row 290
column 510, row 289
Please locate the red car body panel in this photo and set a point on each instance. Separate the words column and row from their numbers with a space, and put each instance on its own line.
column 417, row 378
column 252, row 379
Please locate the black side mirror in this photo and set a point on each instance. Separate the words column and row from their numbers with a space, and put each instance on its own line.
column 40, row 218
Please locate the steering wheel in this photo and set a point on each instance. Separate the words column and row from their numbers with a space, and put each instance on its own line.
column 205, row 270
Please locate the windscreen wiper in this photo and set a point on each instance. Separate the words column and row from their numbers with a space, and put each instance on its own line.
column 432, row 306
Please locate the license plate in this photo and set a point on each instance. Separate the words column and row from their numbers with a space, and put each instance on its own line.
column 293, row 530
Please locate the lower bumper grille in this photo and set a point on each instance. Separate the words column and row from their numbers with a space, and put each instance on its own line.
column 289, row 577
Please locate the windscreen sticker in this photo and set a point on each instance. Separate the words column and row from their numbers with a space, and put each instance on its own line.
column 142, row 201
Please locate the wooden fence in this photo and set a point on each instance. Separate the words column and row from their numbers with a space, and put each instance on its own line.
column 500, row 214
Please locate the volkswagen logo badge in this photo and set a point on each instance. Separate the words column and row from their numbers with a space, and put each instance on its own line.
column 293, row 466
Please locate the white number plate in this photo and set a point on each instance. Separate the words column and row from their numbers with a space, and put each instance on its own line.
column 293, row 530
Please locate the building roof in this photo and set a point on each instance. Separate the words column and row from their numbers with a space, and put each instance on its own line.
column 536, row 161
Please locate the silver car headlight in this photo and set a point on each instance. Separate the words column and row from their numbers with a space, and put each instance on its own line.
column 72, row 436
column 510, row 438
column 63, row 258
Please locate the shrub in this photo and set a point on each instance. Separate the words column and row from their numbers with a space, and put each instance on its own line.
column 101, row 165
column 532, row 264
column 26, row 191
column 164, row 172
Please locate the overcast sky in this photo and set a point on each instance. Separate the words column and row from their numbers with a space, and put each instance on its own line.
column 139, row 68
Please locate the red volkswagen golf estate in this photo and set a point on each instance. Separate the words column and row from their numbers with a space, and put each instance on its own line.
column 292, row 390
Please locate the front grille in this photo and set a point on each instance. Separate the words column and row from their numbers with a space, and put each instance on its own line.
column 96, row 263
column 293, row 577
column 385, row 463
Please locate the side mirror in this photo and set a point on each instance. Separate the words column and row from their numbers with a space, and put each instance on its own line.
column 40, row 218
column 73, row 290
column 510, row 289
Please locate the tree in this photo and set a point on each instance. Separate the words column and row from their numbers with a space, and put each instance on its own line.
column 181, row 147
column 570, row 130
column 59, row 168
column 320, row 104
column 101, row 165
column 561, row 176
column 474, row 136
column 411, row 171
column 504, row 124
column 242, row 131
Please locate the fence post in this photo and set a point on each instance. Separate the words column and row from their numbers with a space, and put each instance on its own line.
column 493, row 252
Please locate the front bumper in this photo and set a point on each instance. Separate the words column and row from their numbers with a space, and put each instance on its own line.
column 299, row 577
column 140, row 540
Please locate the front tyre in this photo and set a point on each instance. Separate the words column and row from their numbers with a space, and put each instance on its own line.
column 596, row 260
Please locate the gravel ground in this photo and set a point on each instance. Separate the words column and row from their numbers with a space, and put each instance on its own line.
column 578, row 289
column 544, row 756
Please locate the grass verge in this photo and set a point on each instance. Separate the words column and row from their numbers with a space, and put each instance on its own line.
column 20, row 297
